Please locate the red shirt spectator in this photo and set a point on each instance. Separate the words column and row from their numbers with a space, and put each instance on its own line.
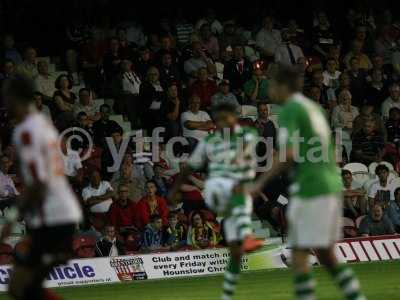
column 204, row 87
column 150, row 205
column 122, row 212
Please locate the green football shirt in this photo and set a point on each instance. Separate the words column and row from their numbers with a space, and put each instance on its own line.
column 227, row 155
column 305, row 130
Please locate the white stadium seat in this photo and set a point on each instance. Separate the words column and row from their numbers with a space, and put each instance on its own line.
column 356, row 167
column 248, row 111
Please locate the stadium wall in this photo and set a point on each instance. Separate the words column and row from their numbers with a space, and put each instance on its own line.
column 199, row 263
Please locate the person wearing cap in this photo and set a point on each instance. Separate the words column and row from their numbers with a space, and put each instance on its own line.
column 224, row 95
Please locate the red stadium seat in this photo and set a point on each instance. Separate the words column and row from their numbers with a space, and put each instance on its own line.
column 84, row 246
column 6, row 254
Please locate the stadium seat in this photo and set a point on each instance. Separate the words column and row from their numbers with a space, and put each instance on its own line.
column 356, row 167
column 6, row 254
column 84, row 246
column 248, row 111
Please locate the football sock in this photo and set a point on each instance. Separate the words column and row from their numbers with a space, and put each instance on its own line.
column 304, row 286
column 348, row 282
column 230, row 280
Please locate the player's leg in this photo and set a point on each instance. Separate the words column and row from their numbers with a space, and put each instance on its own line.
column 232, row 271
column 342, row 274
column 304, row 282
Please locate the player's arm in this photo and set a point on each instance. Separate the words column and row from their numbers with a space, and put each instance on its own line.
column 179, row 181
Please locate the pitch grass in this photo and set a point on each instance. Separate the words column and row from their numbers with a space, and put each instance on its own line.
column 379, row 281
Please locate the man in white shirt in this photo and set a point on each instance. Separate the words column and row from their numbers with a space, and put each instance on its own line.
column 45, row 82
column 382, row 190
column 7, row 186
column 268, row 39
column 288, row 53
column 98, row 194
column 71, row 159
column 87, row 105
column 196, row 123
column 392, row 101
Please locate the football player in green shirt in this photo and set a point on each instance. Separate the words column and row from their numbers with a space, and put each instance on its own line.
column 228, row 156
column 315, row 206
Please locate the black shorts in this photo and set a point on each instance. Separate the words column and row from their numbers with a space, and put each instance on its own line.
column 48, row 246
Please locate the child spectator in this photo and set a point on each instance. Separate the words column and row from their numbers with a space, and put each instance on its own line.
column 175, row 232
column 109, row 245
column 153, row 235
column 201, row 233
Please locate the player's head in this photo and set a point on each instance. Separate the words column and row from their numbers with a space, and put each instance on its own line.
column 156, row 221
column 284, row 83
column 225, row 115
column 18, row 95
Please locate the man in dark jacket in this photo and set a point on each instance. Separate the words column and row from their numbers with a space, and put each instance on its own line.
column 108, row 245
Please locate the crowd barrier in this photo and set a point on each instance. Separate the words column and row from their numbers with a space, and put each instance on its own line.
column 199, row 263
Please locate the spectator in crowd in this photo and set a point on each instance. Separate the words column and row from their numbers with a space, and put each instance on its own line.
column 87, row 105
column 8, row 191
column 113, row 145
column 71, row 159
column 171, row 109
column 144, row 62
column 97, row 197
column 256, row 89
column 392, row 101
column 129, row 101
column 210, row 18
column 266, row 128
column 64, row 98
column 367, row 144
column 326, row 101
column 208, row 41
column 268, row 38
column 42, row 108
column 367, row 114
column 229, row 37
column 176, row 232
column 196, row 123
column 224, row 95
column 125, row 47
column 8, row 70
column 393, row 127
column 238, row 70
column 104, row 127
column 382, row 190
column 197, row 61
column 152, row 96
column 122, row 211
column 204, row 88
column 314, row 93
column 9, row 51
column 376, row 223
column 357, row 81
column 288, row 53
column 377, row 63
column 149, row 205
column 184, row 29
column 344, row 84
column 201, row 233
column 45, row 82
column 109, row 245
column 355, row 204
column 331, row 74
column 167, row 48
column 323, row 35
column 153, row 239
column 28, row 68
column 112, row 60
column 376, row 91
column 393, row 211
column 169, row 70
column 356, row 51
column 344, row 113
column 127, row 178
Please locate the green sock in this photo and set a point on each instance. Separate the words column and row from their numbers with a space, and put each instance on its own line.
column 230, row 280
column 348, row 282
column 304, row 286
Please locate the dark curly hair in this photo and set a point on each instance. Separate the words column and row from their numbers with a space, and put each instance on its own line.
column 58, row 80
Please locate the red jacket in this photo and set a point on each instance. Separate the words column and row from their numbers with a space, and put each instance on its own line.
column 205, row 91
column 143, row 212
column 122, row 216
